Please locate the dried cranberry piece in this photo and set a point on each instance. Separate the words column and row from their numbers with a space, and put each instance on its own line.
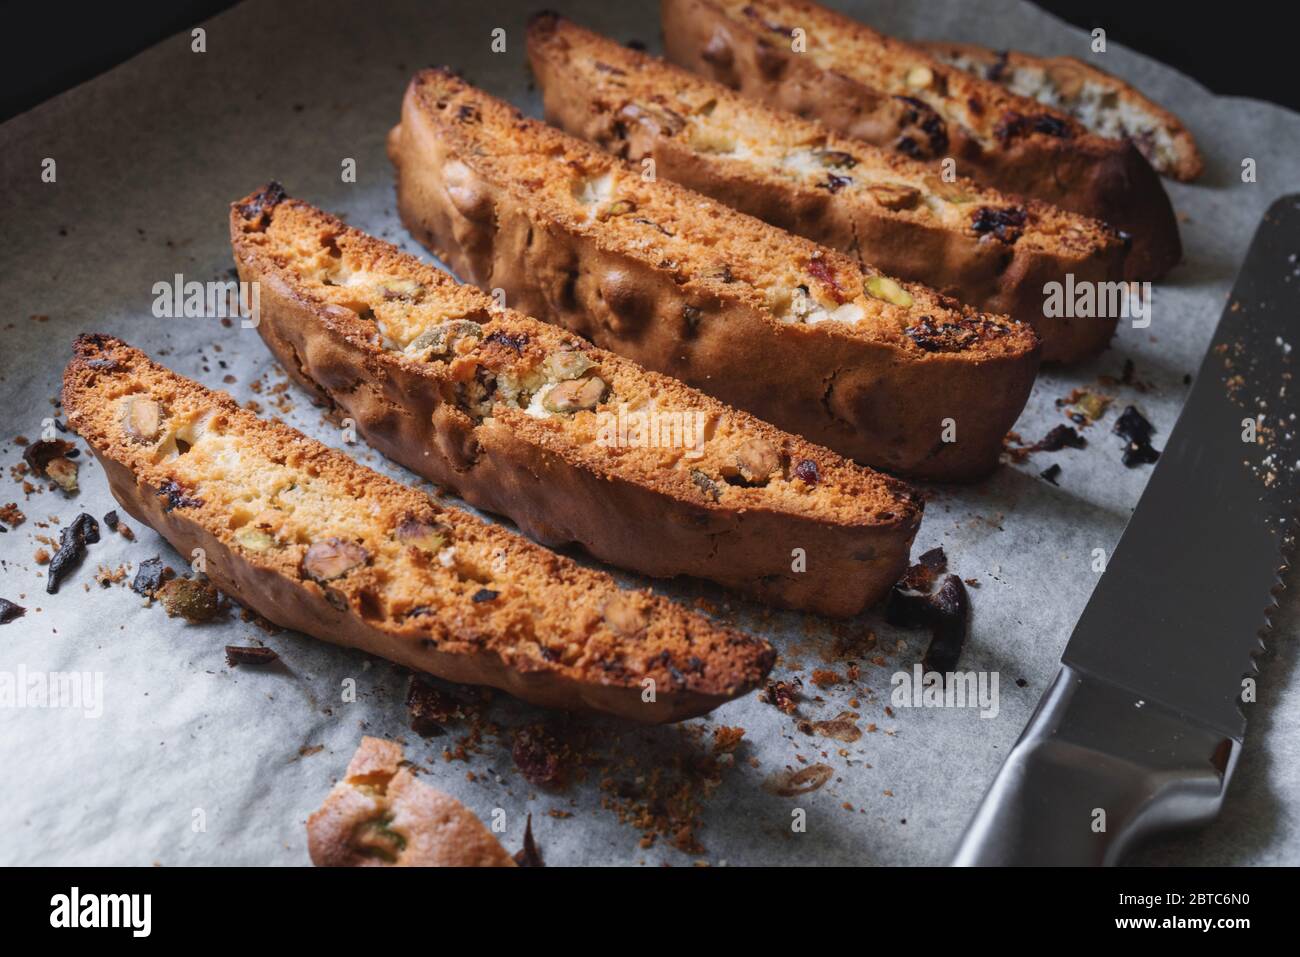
column 808, row 471
column 537, row 757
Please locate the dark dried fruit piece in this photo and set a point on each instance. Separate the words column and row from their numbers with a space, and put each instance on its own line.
column 951, row 336
column 53, row 459
column 537, row 756
column 189, row 598
column 951, row 624
column 808, row 471
column 1013, row 125
column 783, row 695
column 1006, row 224
column 1136, row 431
column 429, row 709
column 177, row 496
column 821, row 271
column 923, row 133
column 946, row 613
column 263, row 202
column 9, row 611
column 485, row 594
column 514, row 343
column 834, row 183
column 1060, row 437
column 149, row 577
column 1051, row 473
column 73, row 540
column 528, row 855
column 332, row 558
column 238, row 655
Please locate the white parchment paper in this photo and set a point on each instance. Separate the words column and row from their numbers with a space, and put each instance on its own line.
column 193, row 762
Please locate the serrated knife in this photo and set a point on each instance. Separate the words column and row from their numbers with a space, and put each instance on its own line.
column 1141, row 728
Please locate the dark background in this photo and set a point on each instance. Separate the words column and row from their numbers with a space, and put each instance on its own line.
column 1247, row 49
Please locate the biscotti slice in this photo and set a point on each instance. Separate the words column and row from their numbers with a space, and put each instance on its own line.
column 994, row 252
column 382, row 815
column 310, row 540
column 890, row 374
column 1103, row 103
column 875, row 88
column 572, row 443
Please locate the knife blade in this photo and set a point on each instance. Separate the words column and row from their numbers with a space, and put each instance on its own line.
column 1141, row 728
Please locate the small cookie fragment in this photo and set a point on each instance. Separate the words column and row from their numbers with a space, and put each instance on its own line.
column 380, row 815
column 12, row 515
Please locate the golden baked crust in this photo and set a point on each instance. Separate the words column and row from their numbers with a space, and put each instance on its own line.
column 311, row 540
column 351, row 318
column 993, row 251
column 798, row 334
column 875, row 88
column 1100, row 101
column 382, row 815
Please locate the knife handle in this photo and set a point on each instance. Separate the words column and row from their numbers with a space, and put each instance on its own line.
column 1095, row 771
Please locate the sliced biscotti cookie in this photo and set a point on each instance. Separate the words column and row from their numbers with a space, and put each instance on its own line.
column 992, row 251
column 1103, row 103
column 311, row 540
column 382, row 815
column 872, row 87
column 573, row 443
column 887, row 373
